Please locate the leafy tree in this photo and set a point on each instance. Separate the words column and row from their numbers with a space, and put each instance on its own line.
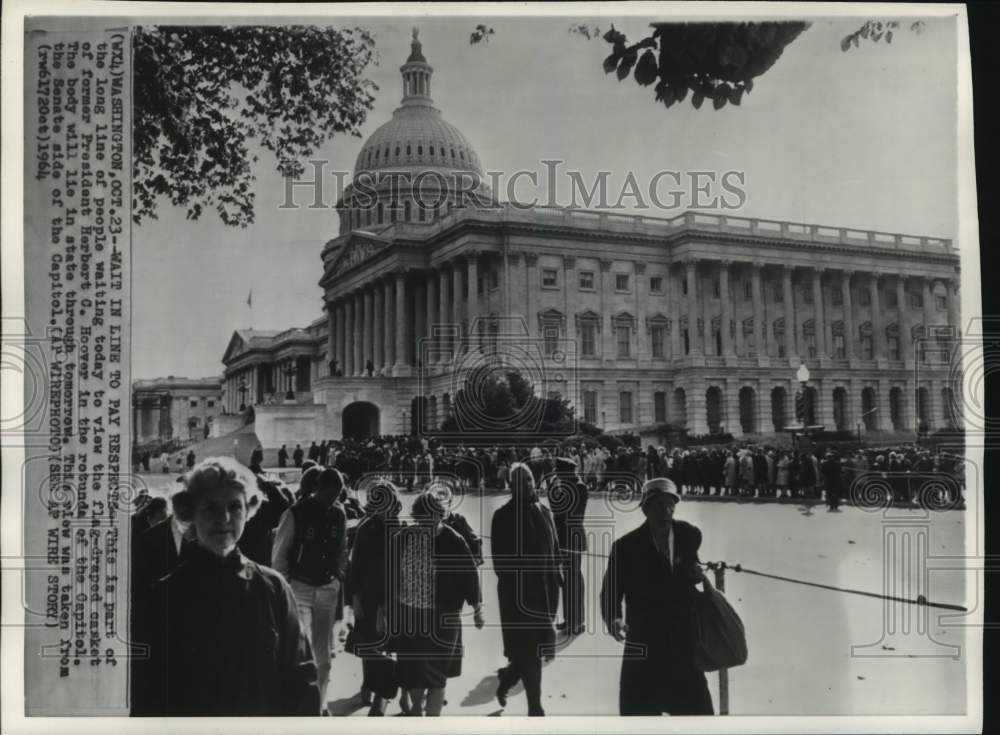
column 716, row 61
column 202, row 93
column 876, row 30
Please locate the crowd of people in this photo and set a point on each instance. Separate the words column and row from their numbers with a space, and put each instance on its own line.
column 740, row 470
column 238, row 587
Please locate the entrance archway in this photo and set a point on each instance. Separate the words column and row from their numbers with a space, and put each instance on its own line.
column 868, row 407
column 840, row 408
column 748, row 418
column 896, row 409
column 778, row 409
column 360, row 420
column 713, row 408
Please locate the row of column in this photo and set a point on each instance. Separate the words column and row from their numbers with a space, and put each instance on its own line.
column 822, row 320
column 379, row 327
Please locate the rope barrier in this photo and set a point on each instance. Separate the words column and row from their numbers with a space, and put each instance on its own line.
column 713, row 565
column 921, row 600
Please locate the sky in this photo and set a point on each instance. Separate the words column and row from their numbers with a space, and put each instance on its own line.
column 864, row 139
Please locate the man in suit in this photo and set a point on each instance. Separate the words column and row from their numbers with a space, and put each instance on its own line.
column 654, row 569
column 568, row 501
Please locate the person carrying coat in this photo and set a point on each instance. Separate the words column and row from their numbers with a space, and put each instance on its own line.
column 654, row 569
column 526, row 559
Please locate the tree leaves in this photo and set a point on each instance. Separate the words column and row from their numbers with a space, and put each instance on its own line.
column 480, row 33
column 202, row 93
column 876, row 30
column 717, row 61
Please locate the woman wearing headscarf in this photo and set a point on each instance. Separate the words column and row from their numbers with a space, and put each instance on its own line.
column 222, row 632
column 436, row 577
column 367, row 578
column 526, row 558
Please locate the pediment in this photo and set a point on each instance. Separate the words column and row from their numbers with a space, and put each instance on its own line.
column 359, row 248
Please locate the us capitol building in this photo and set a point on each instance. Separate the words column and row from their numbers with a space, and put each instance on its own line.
column 698, row 320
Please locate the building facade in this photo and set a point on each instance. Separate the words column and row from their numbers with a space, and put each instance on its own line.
column 698, row 320
column 174, row 408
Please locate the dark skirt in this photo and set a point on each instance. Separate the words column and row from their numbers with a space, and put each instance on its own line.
column 429, row 651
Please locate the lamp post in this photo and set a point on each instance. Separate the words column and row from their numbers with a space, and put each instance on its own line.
column 289, row 372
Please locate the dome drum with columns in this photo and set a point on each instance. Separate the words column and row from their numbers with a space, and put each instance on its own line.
column 698, row 320
column 414, row 166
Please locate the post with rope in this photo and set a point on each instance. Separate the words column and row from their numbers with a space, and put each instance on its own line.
column 720, row 584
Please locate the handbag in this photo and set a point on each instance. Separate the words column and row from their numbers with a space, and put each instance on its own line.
column 720, row 640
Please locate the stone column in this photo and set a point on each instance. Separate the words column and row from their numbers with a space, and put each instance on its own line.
column 472, row 305
column 444, row 343
column 378, row 325
column 910, row 406
column 727, row 308
column 419, row 321
column 641, row 334
column 388, row 326
column 929, row 306
column 905, row 336
column 704, row 302
column 359, row 359
column 819, row 320
column 531, row 287
column 759, row 325
column 954, row 305
column 331, row 336
column 673, row 300
column 691, row 275
column 790, row 324
column 883, row 417
column 457, row 307
column 430, row 318
column 350, row 333
column 878, row 326
column 845, row 289
column 367, row 341
column 342, row 330
column 608, row 353
column 403, row 359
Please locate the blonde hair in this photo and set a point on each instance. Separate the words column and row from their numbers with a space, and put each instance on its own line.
column 216, row 472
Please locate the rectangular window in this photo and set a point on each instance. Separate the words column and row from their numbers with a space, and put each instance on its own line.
column 917, row 300
column 839, row 349
column 747, row 290
column 494, row 278
column 656, row 284
column 624, row 340
column 781, row 348
column 551, row 339
column 807, row 296
column 687, row 343
column 837, row 297
column 194, row 403
column 587, row 280
column 660, row 407
column 657, row 334
column 716, row 288
column 625, row 407
column 892, row 344
column 590, row 406
column 549, row 278
column 621, row 281
column 684, row 286
column 211, row 403
column 479, row 283
column 891, row 300
column 588, row 334
column 810, row 345
column 779, row 294
column 865, row 297
column 867, row 350
column 942, row 303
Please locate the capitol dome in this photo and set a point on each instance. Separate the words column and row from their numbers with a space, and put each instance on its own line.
column 417, row 140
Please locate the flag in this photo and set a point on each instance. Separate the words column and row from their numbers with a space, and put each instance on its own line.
column 250, row 298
